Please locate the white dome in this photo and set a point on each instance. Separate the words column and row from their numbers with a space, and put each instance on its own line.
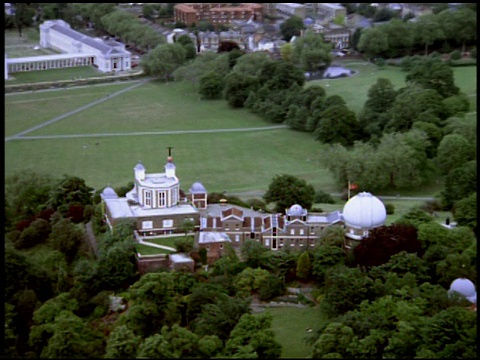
column 465, row 288
column 139, row 166
column 295, row 210
column 197, row 188
column 109, row 193
column 364, row 211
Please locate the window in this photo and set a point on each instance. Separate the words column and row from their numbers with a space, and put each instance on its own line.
column 221, row 246
column 237, row 238
column 237, row 227
column 301, row 232
column 167, row 223
column 252, row 235
column 148, row 198
column 292, row 231
column 161, row 198
column 267, row 242
column 174, row 196
column 147, row 224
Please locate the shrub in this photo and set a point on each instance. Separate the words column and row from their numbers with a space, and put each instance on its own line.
column 435, row 54
column 473, row 53
column 390, row 208
column 456, row 55
column 431, row 206
column 322, row 197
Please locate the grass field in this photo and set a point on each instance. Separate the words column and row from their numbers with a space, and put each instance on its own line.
column 290, row 324
column 223, row 161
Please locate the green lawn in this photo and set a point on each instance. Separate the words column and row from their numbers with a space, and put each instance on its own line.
column 290, row 325
column 27, row 77
column 228, row 161
column 24, row 111
column 149, row 250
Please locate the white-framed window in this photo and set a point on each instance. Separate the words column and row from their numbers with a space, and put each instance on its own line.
column 267, row 242
column 301, row 232
column 292, row 231
column 167, row 223
column 174, row 196
column 148, row 198
column 237, row 238
column 147, row 224
column 161, row 198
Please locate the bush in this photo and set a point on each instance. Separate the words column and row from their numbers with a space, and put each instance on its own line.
column 322, row 197
column 257, row 204
column 431, row 206
column 435, row 54
column 473, row 53
column 390, row 208
column 456, row 55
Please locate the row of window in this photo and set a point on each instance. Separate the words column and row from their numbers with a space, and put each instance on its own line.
column 161, row 198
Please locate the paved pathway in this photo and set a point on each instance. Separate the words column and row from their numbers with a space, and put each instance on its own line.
column 81, row 108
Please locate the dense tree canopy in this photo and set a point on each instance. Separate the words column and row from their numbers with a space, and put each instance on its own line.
column 287, row 190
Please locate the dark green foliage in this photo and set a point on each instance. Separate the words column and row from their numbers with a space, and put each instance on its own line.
column 252, row 336
column 211, row 86
column 221, row 317
column 455, row 55
column 122, row 343
column 70, row 190
column 345, row 288
column 453, row 151
column 304, row 266
column 237, row 88
column 184, row 245
column 456, row 104
column 66, row 237
column 36, row 233
column 256, row 204
column 390, row 208
column 459, row 183
column 291, row 27
column 322, row 197
column 338, row 124
column 465, row 211
column 270, row 287
column 287, row 190
column 433, row 74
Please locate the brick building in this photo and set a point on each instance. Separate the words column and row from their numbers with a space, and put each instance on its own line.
column 217, row 13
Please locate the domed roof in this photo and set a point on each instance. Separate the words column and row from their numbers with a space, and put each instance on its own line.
column 364, row 211
column 109, row 193
column 465, row 288
column 139, row 166
column 295, row 210
column 197, row 188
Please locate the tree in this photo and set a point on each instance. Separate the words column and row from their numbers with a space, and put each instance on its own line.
column 164, row 60
column 221, row 317
column 384, row 242
column 311, row 52
column 291, row 27
column 428, row 30
column 237, row 88
column 251, row 63
column 304, row 266
column 453, row 151
column 23, row 16
column 189, row 46
column 184, row 245
column 66, row 237
column 202, row 65
column 324, row 257
column 432, row 73
column 465, row 211
column 337, row 124
column 122, row 343
column 26, row 194
column 459, row 183
column 400, row 37
column 211, row 86
column 373, row 42
column 35, row 234
column 253, row 334
column 459, row 25
column 252, row 251
column 334, row 341
column 154, row 347
column 70, row 190
column 287, row 190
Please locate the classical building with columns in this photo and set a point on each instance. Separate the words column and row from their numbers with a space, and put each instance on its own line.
column 76, row 49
